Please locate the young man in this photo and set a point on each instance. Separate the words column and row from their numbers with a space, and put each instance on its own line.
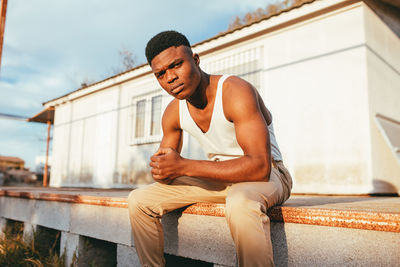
column 245, row 170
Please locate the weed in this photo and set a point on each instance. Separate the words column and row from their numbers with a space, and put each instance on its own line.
column 40, row 251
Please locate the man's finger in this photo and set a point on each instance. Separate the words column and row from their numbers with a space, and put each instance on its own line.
column 154, row 164
column 163, row 150
column 157, row 171
column 156, row 158
column 158, row 153
column 158, row 178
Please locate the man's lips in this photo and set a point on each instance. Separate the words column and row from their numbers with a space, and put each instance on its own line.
column 177, row 89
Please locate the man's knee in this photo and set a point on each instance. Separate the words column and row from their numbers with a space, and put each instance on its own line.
column 132, row 200
column 237, row 198
column 141, row 202
column 242, row 202
column 135, row 200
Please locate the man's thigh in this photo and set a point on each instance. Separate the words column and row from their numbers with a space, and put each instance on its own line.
column 269, row 193
column 183, row 191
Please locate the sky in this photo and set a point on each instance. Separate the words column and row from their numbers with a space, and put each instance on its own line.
column 51, row 47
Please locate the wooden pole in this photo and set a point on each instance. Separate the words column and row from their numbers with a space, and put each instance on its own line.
column 46, row 165
column 3, row 10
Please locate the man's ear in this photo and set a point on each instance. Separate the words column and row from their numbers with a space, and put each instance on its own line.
column 196, row 59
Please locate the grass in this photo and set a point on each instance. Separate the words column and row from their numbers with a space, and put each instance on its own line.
column 41, row 251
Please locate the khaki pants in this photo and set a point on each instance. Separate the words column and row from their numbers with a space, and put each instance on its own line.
column 246, row 206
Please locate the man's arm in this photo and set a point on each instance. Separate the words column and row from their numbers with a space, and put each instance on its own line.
column 172, row 135
column 241, row 106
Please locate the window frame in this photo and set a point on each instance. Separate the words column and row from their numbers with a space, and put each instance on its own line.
column 147, row 138
column 159, row 115
column 136, row 133
column 236, row 62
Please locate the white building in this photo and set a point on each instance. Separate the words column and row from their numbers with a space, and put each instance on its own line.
column 329, row 71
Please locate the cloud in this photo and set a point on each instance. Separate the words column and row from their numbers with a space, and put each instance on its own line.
column 22, row 139
column 24, row 93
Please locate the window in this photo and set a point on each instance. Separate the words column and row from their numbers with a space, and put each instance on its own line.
column 155, row 115
column 140, row 118
column 246, row 64
column 146, row 118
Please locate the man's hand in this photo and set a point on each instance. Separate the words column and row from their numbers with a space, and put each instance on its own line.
column 166, row 165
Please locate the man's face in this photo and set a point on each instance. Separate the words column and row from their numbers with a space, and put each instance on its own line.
column 177, row 71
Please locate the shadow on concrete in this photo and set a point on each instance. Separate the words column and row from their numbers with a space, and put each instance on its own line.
column 175, row 261
column 171, row 238
column 279, row 244
column 171, row 241
column 384, row 186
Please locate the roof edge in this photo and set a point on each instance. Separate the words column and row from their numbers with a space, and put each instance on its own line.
column 95, row 83
column 285, row 10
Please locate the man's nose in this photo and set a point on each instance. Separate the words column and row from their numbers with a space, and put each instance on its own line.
column 171, row 76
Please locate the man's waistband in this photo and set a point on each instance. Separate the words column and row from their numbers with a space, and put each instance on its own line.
column 275, row 163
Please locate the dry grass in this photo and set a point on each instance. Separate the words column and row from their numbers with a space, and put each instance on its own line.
column 41, row 251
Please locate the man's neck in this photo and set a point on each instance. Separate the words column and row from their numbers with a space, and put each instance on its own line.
column 200, row 98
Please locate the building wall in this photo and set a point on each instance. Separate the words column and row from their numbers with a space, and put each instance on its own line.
column 316, row 86
column 61, row 140
column 84, row 140
column 383, row 62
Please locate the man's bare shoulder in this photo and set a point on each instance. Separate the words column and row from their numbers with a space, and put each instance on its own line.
column 173, row 106
column 239, row 96
column 237, row 86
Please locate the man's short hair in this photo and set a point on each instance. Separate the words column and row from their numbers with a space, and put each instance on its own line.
column 162, row 41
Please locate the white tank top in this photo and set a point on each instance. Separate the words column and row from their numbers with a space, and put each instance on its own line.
column 219, row 142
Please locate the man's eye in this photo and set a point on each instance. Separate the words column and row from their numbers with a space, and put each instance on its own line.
column 177, row 64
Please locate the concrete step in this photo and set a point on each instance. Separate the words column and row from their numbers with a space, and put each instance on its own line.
column 306, row 231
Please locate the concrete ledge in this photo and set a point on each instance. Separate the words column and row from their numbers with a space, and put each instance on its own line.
column 312, row 245
column 369, row 213
column 307, row 230
column 126, row 256
column 102, row 222
column 199, row 237
column 69, row 245
column 69, row 195
column 3, row 223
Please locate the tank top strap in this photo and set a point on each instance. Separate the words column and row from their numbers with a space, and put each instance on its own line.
column 183, row 116
column 218, row 104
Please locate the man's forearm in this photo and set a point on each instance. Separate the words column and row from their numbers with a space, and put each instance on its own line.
column 167, row 163
column 245, row 168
